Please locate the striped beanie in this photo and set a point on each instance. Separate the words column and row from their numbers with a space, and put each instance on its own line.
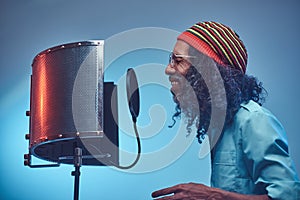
column 219, row 42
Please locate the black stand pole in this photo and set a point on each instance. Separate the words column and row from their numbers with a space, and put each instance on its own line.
column 76, row 173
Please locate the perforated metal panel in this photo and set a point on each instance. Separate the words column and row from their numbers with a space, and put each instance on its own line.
column 67, row 104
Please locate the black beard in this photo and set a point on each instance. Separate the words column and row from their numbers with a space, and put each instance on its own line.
column 194, row 93
column 194, row 100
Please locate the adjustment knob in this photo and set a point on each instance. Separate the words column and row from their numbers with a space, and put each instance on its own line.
column 28, row 113
column 27, row 136
column 26, row 156
column 26, row 163
column 27, row 159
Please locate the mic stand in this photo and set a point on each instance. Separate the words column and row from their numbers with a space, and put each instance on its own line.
column 76, row 173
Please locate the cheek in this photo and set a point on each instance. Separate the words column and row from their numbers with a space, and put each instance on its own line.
column 183, row 69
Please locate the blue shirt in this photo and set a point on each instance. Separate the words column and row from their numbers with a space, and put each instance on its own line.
column 251, row 156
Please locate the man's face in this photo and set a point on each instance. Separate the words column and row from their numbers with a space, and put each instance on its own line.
column 178, row 66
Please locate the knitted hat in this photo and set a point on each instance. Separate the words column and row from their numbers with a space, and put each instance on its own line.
column 219, row 42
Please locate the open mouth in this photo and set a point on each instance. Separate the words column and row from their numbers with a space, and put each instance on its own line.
column 175, row 83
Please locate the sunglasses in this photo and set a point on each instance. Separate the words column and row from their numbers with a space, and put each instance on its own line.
column 177, row 59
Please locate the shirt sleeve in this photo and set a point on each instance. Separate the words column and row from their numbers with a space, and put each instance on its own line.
column 267, row 157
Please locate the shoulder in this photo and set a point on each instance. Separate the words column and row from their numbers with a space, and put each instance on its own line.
column 253, row 107
column 257, row 121
column 253, row 111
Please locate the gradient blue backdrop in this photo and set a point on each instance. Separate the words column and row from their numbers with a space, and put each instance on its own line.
column 269, row 29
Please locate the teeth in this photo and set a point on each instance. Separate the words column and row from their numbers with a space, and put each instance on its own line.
column 174, row 83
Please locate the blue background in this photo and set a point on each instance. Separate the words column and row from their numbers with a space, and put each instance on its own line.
column 269, row 29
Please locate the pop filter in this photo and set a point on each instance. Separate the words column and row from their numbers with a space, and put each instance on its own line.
column 133, row 95
column 133, row 98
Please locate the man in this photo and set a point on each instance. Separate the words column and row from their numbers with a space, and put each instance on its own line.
column 250, row 158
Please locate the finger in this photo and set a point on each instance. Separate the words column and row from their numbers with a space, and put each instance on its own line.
column 165, row 191
column 162, row 192
column 165, row 198
column 176, row 196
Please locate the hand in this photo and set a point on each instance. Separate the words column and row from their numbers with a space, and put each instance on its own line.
column 187, row 191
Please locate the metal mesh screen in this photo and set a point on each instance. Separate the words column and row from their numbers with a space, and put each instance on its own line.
column 66, row 96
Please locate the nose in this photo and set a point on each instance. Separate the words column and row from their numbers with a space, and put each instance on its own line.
column 170, row 70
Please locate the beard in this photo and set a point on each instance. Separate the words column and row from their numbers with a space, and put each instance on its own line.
column 202, row 102
column 192, row 98
column 195, row 97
